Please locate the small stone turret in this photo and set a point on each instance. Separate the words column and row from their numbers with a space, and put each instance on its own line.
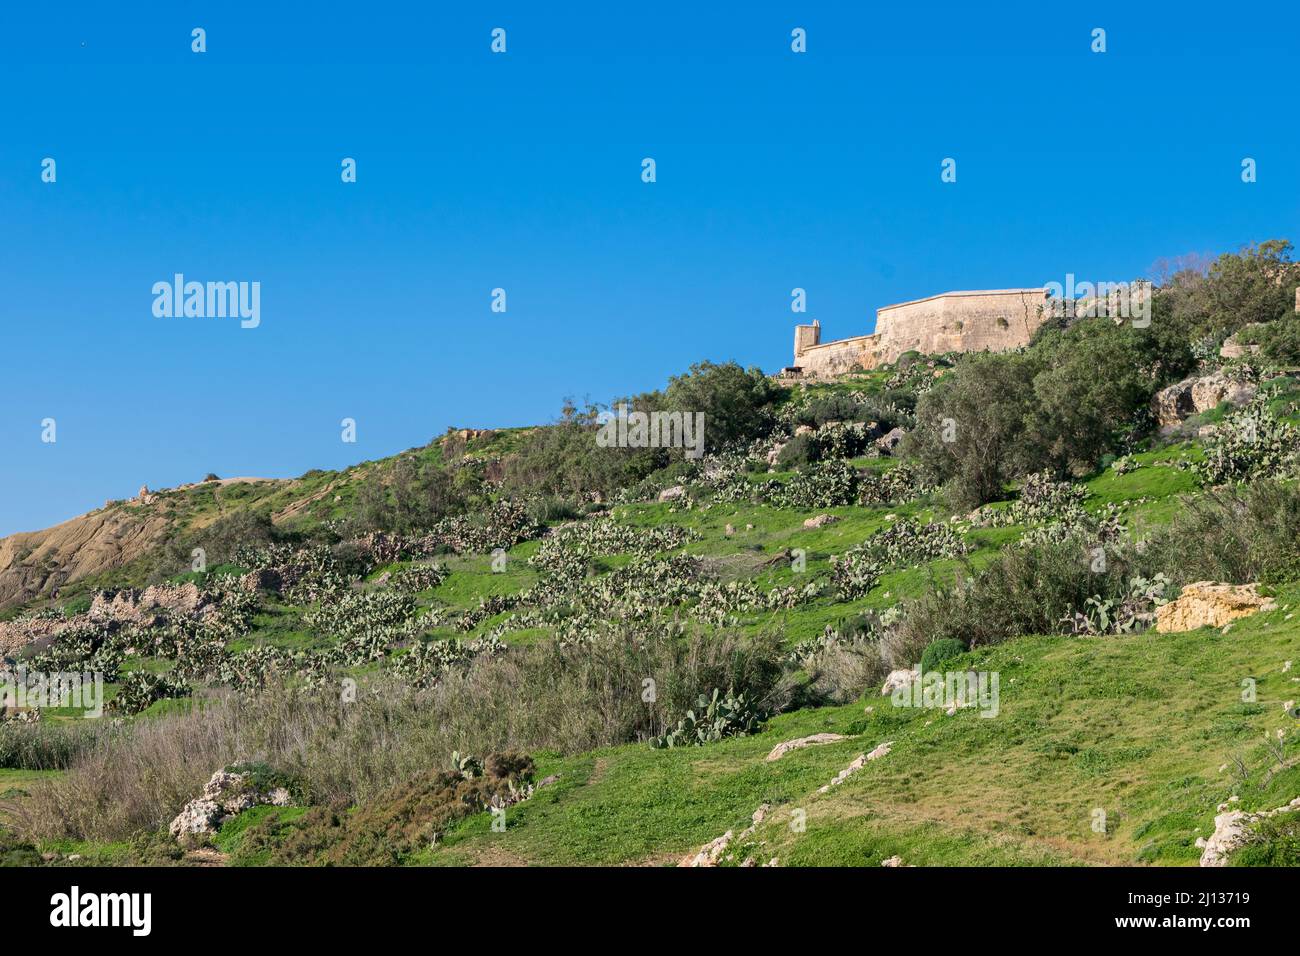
column 805, row 337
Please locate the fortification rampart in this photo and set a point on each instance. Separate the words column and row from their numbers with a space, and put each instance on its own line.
column 990, row 320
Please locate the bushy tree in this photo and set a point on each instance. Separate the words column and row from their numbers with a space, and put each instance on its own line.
column 411, row 495
column 220, row 539
column 565, row 459
column 1279, row 341
column 1081, row 390
column 970, row 433
column 738, row 404
column 1256, row 284
column 1093, row 390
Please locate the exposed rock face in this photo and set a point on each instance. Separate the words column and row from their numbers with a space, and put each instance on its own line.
column 820, row 521
column 1207, row 604
column 38, row 562
column 890, row 440
column 1232, row 831
column 858, row 764
column 1209, row 391
column 673, row 494
column 896, row 680
column 18, row 634
column 780, row 750
column 225, row 795
column 130, row 607
column 1194, row 395
column 197, row 818
column 1172, row 404
column 711, row 853
column 147, row 607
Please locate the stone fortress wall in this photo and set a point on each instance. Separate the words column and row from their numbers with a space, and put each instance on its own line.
column 990, row 320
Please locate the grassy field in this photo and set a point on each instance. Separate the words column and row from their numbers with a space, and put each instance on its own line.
column 1142, row 728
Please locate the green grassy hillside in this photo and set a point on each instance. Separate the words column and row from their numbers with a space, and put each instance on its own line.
column 530, row 625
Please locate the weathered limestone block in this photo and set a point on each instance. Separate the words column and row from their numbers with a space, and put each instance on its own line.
column 1194, row 395
column 1207, row 604
column 780, row 750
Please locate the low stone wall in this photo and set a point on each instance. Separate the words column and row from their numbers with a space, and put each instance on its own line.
column 835, row 358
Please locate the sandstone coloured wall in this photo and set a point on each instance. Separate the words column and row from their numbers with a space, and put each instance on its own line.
column 989, row 320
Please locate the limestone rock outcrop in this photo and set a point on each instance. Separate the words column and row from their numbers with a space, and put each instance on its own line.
column 225, row 794
column 820, row 521
column 1208, row 604
column 712, row 852
column 1196, row 394
column 890, row 440
column 780, row 750
column 898, row 679
column 1232, row 831
column 858, row 764
column 1232, row 347
column 145, row 607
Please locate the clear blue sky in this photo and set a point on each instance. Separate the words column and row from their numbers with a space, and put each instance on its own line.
column 522, row 171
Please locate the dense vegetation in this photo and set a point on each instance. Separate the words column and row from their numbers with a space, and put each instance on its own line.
column 587, row 629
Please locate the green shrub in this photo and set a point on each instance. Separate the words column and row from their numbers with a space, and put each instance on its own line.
column 15, row 852
column 712, row 719
column 564, row 459
column 78, row 605
column 938, row 652
column 799, row 450
column 412, row 494
column 1029, row 588
column 1273, row 841
column 384, row 831
column 548, row 508
column 738, row 404
column 1238, row 534
column 836, row 407
column 1279, row 341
